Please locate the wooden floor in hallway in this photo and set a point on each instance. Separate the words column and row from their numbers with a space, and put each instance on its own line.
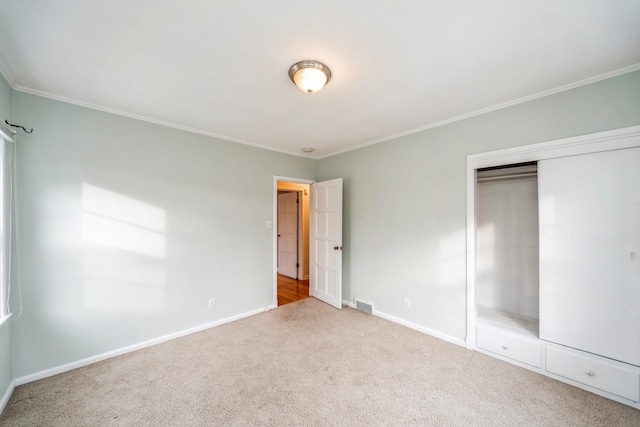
column 291, row 290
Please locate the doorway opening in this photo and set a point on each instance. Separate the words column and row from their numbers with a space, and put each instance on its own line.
column 292, row 240
column 322, row 263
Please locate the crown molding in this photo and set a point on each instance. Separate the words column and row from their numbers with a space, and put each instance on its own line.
column 7, row 75
column 507, row 104
column 150, row 120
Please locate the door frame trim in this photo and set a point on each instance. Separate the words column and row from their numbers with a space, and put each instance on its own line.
column 274, row 229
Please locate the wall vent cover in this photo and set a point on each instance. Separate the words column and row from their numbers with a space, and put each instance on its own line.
column 364, row 306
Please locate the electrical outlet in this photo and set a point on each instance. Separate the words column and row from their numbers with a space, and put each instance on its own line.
column 407, row 303
column 211, row 304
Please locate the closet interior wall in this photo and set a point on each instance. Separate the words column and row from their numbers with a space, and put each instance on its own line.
column 507, row 247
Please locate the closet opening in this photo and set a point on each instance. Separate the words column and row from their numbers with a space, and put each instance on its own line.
column 507, row 256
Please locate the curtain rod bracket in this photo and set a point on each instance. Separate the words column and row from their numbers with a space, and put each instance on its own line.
column 18, row 126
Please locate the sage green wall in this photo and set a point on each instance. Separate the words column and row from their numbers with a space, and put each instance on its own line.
column 6, row 94
column 404, row 199
column 6, row 376
column 128, row 228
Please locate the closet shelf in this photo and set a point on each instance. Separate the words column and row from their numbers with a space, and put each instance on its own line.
column 516, row 323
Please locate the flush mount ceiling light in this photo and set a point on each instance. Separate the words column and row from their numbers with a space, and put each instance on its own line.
column 309, row 76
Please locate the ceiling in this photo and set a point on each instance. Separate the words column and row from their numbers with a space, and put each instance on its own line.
column 220, row 67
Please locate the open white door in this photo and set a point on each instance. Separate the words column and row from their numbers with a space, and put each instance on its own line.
column 288, row 234
column 326, row 242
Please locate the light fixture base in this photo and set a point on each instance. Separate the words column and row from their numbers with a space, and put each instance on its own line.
column 309, row 76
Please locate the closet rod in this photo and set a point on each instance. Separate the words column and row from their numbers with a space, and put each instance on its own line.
column 515, row 175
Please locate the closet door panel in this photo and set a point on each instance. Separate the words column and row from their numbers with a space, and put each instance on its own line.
column 590, row 252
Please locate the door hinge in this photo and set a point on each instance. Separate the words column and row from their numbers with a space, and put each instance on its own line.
column 297, row 265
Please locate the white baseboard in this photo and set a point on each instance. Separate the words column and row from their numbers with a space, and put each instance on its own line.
column 349, row 303
column 470, row 342
column 128, row 349
column 414, row 326
column 7, row 395
column 445, row 337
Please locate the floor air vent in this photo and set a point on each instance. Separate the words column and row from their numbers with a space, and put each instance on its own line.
column 364, row 306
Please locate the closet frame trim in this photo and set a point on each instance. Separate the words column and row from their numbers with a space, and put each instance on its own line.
column 616, row 139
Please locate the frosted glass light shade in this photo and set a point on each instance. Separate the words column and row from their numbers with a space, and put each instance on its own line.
column 309, row 76
column 309, row 79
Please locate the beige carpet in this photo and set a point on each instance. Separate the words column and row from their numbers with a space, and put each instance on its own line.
column 307, row 364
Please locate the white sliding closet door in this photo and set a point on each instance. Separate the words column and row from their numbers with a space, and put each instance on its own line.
column 590, row 252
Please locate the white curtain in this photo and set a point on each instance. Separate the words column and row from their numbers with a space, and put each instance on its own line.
column 6, row 154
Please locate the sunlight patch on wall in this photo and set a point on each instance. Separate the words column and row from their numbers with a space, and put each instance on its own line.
column 108, row 232
column 486, row 264
column 485, row 239
column 452, row 256
column 124, row 283
column 124, row 255
column 118, row 207
column 113, row 220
